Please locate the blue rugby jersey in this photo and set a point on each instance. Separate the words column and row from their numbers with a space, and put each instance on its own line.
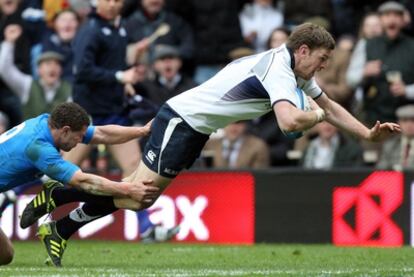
column 27, row 152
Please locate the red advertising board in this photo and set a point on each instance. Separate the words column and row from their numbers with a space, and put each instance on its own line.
column 214, row 207
column 362, row 215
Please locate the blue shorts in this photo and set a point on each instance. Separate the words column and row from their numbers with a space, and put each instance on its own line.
column 173, row 145
column 116, row 119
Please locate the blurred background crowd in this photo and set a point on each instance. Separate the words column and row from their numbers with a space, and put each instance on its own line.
column 126, row 58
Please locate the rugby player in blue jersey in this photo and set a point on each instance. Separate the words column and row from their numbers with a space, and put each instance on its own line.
column 32, row 149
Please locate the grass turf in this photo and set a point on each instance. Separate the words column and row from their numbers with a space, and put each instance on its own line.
column 86, row 258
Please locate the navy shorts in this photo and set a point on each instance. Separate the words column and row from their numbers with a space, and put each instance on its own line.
column 173, row 145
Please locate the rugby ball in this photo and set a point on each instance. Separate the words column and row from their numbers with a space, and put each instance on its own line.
column 303, row 104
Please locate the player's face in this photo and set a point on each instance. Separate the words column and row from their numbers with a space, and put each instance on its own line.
column 109, row 9
column 69, row 139
column 311, row 61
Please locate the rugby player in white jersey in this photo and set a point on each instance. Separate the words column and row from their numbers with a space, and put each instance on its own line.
column 246, row 89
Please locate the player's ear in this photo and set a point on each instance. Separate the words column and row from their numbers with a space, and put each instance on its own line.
column 66, row 129
column 304, row 50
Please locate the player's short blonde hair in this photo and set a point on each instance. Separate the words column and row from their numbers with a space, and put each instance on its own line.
column 312, row 35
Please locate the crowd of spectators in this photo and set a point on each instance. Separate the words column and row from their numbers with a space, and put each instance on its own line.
column 122, row 59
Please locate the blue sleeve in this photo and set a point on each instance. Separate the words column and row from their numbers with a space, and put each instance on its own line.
column 48, row 160
column 89, row 134
column 86, row 47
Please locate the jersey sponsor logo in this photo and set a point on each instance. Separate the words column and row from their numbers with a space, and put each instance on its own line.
column 151, row 156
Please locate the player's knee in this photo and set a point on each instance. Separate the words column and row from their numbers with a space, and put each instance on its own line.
column 7, row 255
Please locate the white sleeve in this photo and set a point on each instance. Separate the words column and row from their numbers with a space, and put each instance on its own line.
column 18, row 82
column 310, row 87
column 279, row 81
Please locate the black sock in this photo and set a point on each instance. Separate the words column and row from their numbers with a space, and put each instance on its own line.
column 65, row 195
column 89, row 212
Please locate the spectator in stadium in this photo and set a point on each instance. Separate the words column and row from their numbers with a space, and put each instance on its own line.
column 278, row 37
column 168, row 81
column 387, row 76
column 217, row 31
column 237, row 149
column 257, row 20
column 65, row 26
column 145, row 21
column 397, row 153
column 32, row 149
column 100, row 75
column 331, row 149
column 36, row 96
column 11, row 13
column 370, row 28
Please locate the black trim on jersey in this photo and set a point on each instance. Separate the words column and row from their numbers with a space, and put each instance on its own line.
column 280, row 100
column 292, row 58
column 318, row 96
column 250, row 88
column 268, row 67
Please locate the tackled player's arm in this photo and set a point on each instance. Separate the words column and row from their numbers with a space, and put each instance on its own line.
column 341, row 118
column 115, row 134
column 292, row 119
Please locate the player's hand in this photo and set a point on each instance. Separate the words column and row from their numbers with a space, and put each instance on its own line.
column 143, row 192
column 382, row 131
column 147, row 128
column 12, row 32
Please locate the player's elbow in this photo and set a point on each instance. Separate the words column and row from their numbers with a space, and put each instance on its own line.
column 289, row 125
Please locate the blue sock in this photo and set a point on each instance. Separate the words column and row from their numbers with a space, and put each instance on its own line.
column 144, row 221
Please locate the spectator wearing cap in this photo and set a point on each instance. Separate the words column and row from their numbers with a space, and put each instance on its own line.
column 36, row 96
column 388, row 80
column 168, row 80
column 145, row 21
column 398, row 152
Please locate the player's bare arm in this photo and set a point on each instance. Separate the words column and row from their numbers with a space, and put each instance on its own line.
column 292, row 119
column 101, row 186
column 115, row 134
column 341, row 118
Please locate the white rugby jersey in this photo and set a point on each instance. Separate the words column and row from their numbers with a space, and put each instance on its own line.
column 245, row 89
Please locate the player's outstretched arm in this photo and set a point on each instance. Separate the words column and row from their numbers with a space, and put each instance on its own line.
column 115, row 134
column 292, row 119
column 341, row 118
column 94, row 184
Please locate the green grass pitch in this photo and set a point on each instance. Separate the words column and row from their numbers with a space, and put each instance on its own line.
column 92, row 258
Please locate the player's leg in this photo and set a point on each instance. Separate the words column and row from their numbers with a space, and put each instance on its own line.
column 127, row 155
column 6, row 249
